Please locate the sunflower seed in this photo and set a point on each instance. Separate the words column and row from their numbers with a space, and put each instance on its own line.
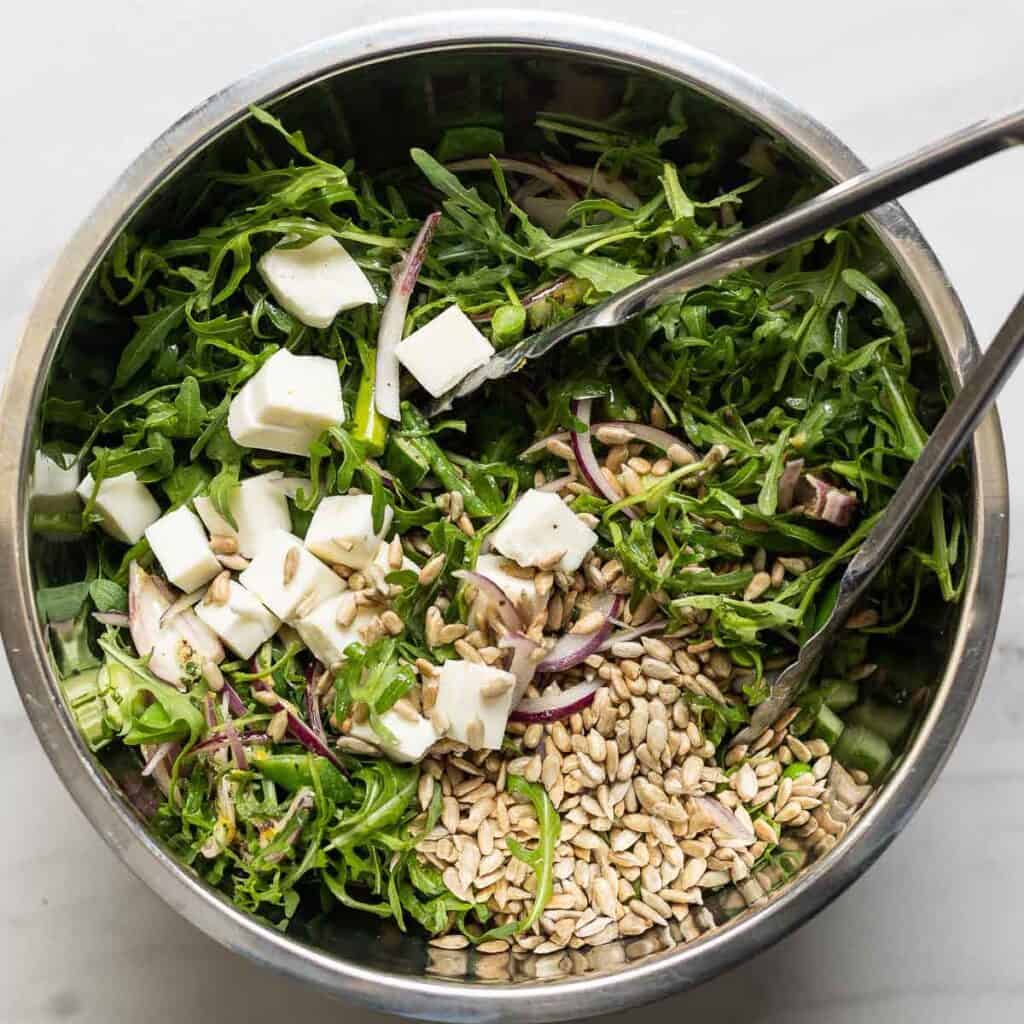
column 291, row 566
column 221, row 544
column 213, row 676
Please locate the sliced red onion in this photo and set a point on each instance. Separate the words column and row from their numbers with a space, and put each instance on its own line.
column 724, row 818
column 788, row 480
column 526, row 167
column 651, row 435
column 558, row 484
column 208, row 712
column 572, row 648
column 538, row 446
column 553, row 706
column 161, row 752
column 583, row 449
column 235, row 703
column 170, row 647
column 389, row 480
column 235, row 742
column 493, row 593
column 182, row 603
column 316, row 722
column 119, row 619
column 392, row 320
column 825, row 501
column 522, row 664
column 633, row 633
column 249, row 738
column 302, row 732
column 597, row 181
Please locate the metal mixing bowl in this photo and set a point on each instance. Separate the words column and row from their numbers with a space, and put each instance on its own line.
column 382, row 89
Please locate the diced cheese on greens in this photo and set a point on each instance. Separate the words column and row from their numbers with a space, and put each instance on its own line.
column 124, row 505
column 342, row 530
column 315, row 282
column 283, row 581
column 539, row 525
column 258, row 506
column 476, row 701
column 522, row 592
column 444, row 350
column 247, row 429
column 53, row 487
column 180, row 545
column 242, row 622
column 412, row 739
column 322, row 634
column 287, row 404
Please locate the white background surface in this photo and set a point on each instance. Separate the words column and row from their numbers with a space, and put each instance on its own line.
column 935, row 931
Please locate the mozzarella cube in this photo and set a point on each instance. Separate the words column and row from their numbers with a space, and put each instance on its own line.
column 411, row 739
column 327, row 640
column 462, row 699
column 342, row 530
column 521, row 591
column 539, row 525
column 241, row 622
column 179, row 543
column 53, row 487
column 443, row 351
column 315, row 282
column 247, row 429
column 380, row 568
column 298, row 391
column 259, row 508
column 309, row 581
column 124, row 505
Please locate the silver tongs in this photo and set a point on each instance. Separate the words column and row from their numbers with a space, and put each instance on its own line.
column 835, row 206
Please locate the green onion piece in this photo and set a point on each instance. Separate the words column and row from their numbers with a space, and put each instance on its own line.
column 796, row 769
column 827, row 726
column 844, row 695
column 370, row 427
column 890, row 722
column 859, row 747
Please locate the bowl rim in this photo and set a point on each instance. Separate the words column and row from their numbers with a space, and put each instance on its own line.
column 425, row 997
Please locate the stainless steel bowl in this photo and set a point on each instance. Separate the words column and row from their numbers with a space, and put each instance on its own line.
column 386, row 87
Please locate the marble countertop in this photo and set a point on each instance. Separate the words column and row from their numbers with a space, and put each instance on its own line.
column 933, row 932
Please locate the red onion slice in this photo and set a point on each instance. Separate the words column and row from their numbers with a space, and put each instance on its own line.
column 119, row 619
column 235, row 703
column 250, row 738
column 316, row 722
column 526, row 167
column 505, row 608
column 553, row 706
column 161, row 752
column 181, row 604
column 633, row 633
column 572, row 648
column 556, row 485
column 596, row 181
column 522, row 664
column 235, row 742
column 302, row 732
column 788, row 480
column 583, row 449
column 724, row 818
column 392, row 321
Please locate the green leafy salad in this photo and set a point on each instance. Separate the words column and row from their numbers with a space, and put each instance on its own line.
column 463, row 673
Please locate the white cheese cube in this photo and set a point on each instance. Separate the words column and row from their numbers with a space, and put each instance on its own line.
column 53, row 487
column 315, row 282
column 327, row 640
column 380, row 568
column 259, row 507
column 342, row 530
column 303, row 392
column 241, row 622
column 247, row 429
column 461, row 699
column 443, row 351
column 125, row 506
column 521, row 592
column 411, row 739
column 309, row 583
column 180, row 545
column 539, row 525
